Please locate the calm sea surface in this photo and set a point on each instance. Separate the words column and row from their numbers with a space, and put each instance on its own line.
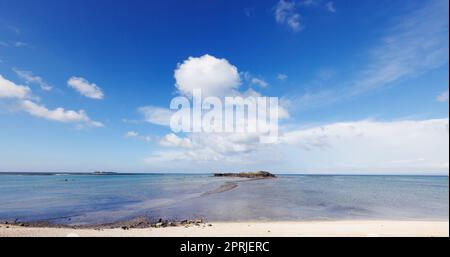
column 87, row 199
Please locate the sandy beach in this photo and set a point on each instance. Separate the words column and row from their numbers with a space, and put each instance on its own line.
column 372, row 228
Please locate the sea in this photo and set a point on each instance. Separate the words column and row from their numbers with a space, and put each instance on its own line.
column 86, row 199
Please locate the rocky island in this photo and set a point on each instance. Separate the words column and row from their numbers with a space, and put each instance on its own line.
column 259, row 174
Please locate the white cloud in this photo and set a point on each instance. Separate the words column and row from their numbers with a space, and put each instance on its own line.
column 443, row 97
column 172, row 140
column 58, row 114
column 330, row 7
column 365, row 146
column 372, row 145
column 85, row 88
column 215, row 77
column 210, row 147
column 9, row 89
column 251, row 79
column 285, row 13
column 282, row 77
column 29, row 78
column 22, row 95
column 259, row 82
column 136, row 135
column 156, row 115
column 131, row 134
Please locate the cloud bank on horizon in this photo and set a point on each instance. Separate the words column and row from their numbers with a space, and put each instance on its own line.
column 378, row 107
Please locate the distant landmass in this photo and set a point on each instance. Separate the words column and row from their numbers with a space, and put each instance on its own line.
column 104, row 173
column 98, row 173
column 259, row 174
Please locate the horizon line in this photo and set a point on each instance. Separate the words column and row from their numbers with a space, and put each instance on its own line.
column 209, row 173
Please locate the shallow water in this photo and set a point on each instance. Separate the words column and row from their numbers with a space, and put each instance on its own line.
column 87, row 199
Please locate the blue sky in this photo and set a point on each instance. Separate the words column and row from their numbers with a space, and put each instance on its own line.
column 378, row 66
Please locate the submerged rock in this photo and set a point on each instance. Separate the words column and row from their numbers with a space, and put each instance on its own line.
column 259, row 174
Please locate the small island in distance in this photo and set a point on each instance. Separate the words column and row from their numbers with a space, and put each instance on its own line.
column 259, row 174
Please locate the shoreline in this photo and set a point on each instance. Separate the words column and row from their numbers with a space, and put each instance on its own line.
column 345, row 228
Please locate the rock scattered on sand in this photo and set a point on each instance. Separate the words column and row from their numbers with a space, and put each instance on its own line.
column 165, row 223
column 139, row 222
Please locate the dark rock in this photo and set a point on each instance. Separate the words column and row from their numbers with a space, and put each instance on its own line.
column 259, row 174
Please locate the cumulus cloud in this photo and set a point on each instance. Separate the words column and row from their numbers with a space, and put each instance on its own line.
column 58, row 114
column 156, row 115
column 219, row 78
column 172, row 140
column 215, row 77
column 85, row 88
column 22, row 97
column 29, row 78
column 443, row 97
column 9, row 89
column 210, row 147
column 285, row 13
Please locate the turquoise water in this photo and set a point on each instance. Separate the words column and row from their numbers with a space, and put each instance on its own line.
column 87, row 199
